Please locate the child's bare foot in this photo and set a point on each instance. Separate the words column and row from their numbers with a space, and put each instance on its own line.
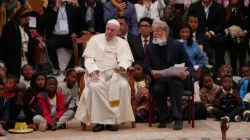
column 33, row 126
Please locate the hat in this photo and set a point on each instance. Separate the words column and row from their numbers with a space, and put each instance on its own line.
column 21, row 128
column 114, row 21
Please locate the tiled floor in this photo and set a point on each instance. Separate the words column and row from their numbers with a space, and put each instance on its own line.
column 203, row 129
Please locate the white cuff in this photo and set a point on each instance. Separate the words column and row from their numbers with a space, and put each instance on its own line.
column 212, row 32
column 196, row 67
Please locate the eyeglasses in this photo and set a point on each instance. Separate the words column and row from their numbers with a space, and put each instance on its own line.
column 144, row 26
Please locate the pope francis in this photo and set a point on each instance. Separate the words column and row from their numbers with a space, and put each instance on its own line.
column 106, row 98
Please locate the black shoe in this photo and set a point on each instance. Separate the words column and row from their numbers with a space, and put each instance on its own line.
column 112, row 127
column 162, row 125
column 98, row 128
column 178, row 125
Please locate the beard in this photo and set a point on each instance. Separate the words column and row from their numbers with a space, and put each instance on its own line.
column 160, row 41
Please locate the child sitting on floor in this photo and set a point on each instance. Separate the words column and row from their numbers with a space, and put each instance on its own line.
column 52, row 104
column 208, row 91
column 23, row 108
column 245, row 87
column 225, row 70
column 199, row 74
column 37, row 84
column 70, row 92
column 243, row 74
column 142, row 93
column 26, row 72
column 10, row 87
column 227, row 103
column 4, row 110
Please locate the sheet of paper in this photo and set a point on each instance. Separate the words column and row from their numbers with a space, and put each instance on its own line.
column 172, row 71
column 180, row 65
column 32, row 22
column 63, row 25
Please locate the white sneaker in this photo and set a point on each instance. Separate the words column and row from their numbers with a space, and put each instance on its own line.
column 225, row 119
column 237, row 118
column 246, row 115
column 42, row 127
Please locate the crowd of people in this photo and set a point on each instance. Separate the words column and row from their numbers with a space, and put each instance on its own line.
column 150, row 36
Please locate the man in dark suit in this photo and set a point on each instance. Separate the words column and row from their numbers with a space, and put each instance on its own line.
column 133, row 40
column 93, row 16
column 145, row 31
column 201, row 39
column 61, row 21
column 162, row 54
column 211, row 17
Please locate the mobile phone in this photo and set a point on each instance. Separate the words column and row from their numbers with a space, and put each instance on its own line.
column 126, row 2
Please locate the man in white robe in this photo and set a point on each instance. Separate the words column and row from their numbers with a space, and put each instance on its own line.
column 106, row 98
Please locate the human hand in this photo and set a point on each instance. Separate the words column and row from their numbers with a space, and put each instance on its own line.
column 123, row 6
column 241, row 34
column 85, row 32
column 172, row 3
column 75, row 3
column 2, row 131
column 182, row 75
column 224, row 127
column 156, row 75
column 209, row 35
column 94, row 77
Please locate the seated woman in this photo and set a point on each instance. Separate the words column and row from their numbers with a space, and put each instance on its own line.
column 207, row 92
column 197, row 57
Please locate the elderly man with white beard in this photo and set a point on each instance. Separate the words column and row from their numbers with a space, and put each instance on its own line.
column 106, row 98
column 162, row 54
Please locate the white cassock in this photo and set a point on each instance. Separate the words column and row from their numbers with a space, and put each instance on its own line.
column 109, row 100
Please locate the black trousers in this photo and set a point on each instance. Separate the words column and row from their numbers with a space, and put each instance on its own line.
column 172, row 87
column 237, row 50
column 57, row 41
column 218, row 113
column 218, row 43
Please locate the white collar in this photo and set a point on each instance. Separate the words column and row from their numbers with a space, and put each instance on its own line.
column 208, row 5
column 230, row 92
column 142, row 38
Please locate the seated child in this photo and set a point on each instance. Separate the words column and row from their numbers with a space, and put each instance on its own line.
column 227, row 103
column 11, row 86
column 224, row 70
column 208, row 91
column 23, row 108
column 26, row 72
column 246, row 103
column 52, row 104
column 70, row 92
column 243, row 74
column 37, row 84
column 199, row 73
column 245, row 87
column 142, row 93
column 4, row 109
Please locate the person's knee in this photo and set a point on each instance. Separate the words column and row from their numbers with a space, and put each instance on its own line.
column 94, row 86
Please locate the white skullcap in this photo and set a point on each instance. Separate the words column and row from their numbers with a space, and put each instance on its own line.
column 113, row 21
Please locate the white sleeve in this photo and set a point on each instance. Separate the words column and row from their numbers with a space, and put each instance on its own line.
column 90, row 65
